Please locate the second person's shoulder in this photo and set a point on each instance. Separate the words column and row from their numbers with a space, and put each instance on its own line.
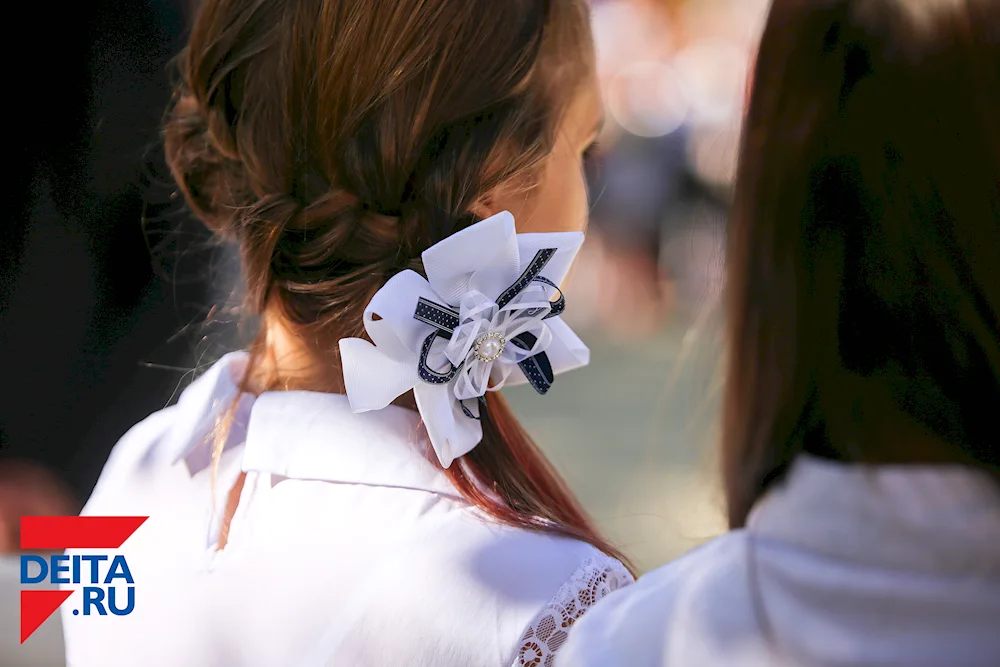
column 635, row 626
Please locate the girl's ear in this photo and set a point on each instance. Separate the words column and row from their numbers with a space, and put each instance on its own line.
column 484, row 207
column 505, row 197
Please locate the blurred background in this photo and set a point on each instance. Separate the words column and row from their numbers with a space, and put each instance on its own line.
column 108, row 289
column 634, row 431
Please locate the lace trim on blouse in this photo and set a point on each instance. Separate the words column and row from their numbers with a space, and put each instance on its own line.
column 596, row 578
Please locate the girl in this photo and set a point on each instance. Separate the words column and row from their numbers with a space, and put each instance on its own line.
column 860, row 455
column 369, row 160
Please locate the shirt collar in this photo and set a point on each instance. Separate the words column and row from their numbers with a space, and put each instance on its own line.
column 933, row 518
column 303, row 435
column 198, row 411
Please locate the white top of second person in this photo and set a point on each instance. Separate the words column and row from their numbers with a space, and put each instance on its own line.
column 349, row 546
column 839, row 566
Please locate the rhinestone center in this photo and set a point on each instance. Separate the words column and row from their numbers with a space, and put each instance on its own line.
column 489, row 347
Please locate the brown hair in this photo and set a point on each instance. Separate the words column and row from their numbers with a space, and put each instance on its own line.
column 334, row 141
column 865, row 240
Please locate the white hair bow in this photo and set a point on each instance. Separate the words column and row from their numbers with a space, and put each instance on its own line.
column 483, row 318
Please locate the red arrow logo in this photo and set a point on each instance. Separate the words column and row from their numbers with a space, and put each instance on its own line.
column 36, row 606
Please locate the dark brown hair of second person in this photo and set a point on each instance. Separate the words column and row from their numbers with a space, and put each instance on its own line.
column 864, row 277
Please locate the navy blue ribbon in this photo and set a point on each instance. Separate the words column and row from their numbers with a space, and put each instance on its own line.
column 536, row 368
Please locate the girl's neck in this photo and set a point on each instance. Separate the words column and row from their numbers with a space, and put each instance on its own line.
column 285, row 362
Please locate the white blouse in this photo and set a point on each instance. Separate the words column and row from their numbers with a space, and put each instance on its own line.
column 349, row 546
column 840, row 566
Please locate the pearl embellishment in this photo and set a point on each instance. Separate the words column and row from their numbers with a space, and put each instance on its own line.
column 489, row 347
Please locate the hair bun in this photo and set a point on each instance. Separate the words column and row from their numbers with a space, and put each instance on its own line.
column 213, row 183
